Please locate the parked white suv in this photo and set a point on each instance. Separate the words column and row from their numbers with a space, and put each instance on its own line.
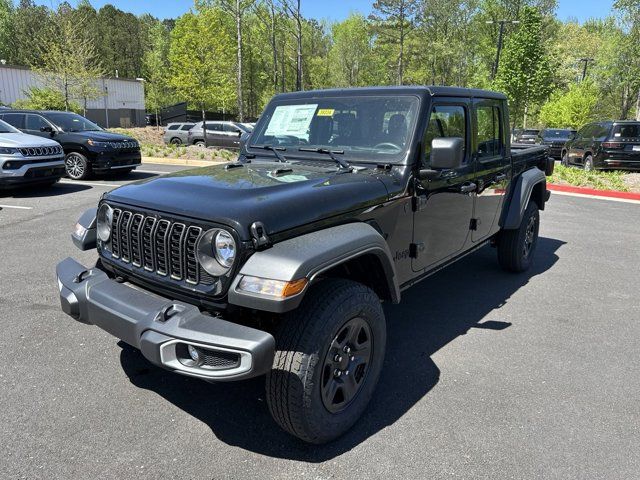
column 28, row 159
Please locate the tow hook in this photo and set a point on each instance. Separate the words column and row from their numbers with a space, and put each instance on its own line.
column 81, row 276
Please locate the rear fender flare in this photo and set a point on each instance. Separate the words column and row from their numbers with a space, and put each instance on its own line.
column 308, row 256
column 520, row 196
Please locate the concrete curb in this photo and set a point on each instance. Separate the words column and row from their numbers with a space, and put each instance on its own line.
column 182, row 162
column 593, row 192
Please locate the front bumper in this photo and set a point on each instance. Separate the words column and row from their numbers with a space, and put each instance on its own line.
column 162, row 328
column 107, row 161
column 33, row 173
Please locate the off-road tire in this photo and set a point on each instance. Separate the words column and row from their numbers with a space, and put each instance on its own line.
column 77, row 166
column 513, row 254
column 303, row 341
column 588, row 163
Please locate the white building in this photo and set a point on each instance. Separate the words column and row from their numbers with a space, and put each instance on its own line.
column 122, row 105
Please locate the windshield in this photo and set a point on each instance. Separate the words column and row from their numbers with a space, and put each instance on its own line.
column 6, row 128
column 72, row 122
column 556, row 133
column 362, row 128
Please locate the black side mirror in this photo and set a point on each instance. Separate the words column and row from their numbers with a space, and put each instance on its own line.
column 244, row 137
column 47, row 128
column 447, row 152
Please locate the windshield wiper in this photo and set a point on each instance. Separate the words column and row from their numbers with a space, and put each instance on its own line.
column 341, row 162
column 281, row 157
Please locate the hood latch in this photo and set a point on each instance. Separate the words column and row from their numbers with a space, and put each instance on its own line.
column 259, row 236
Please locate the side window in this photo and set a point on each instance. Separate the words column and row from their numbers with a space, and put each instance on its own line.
column 488, row 137
column 15, row 119
column 187, row 126
column 230, row 128
column 445, row 121
column 602, row 132
column 215, row 127
column 173, row 127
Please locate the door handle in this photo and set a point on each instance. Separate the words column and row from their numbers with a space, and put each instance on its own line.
column 468, row 188
column 501, row 177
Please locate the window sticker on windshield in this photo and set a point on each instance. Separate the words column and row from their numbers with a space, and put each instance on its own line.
column 325, row 112
column 291, row 120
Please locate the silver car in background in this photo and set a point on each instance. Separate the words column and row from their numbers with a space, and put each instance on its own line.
column 28, row 159
column 176, row 133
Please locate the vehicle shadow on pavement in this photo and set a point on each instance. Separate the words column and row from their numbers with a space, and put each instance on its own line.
column 432, row 314
column 52, row 191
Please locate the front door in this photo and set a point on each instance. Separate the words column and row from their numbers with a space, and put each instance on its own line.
column 492, row 167
column 443, row 205
column 34, row 124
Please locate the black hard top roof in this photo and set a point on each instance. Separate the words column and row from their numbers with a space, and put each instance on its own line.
column 43, row 112
column 433, row 91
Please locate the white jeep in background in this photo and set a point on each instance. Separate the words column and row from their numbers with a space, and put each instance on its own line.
column 28, row 159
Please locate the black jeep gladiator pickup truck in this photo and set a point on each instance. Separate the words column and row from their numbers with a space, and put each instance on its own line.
column 277, row 263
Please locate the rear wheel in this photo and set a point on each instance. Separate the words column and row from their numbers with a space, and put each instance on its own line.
column 517, row 247
column 200, row 143
column 175, row 141
column 329, row 354
column 588, row 163
column 77, row 166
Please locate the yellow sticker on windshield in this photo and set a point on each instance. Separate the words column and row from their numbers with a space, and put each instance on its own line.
column 325, row 112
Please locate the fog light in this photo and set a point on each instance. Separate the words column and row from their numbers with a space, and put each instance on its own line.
column 193, row 353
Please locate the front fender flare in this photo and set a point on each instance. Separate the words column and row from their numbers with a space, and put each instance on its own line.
column 520, row 195
column 307, row 256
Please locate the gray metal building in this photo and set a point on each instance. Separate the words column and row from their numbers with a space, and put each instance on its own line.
column 122, row 104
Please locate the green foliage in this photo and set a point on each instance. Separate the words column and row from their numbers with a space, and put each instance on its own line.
column 201, row 68
column 351, row 55
column 45, row 99
column 591, row 179
column 573, row 108
column 525, row 71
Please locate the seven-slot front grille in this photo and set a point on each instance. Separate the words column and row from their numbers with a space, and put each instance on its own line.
column 166, row 247
column 40, row 151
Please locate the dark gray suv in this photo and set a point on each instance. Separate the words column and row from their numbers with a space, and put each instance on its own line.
column 219, row 134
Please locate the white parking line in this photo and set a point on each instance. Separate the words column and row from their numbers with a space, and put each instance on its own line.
column 157, row 172
column 91, row 184
column 16, row 206
column 596, row 197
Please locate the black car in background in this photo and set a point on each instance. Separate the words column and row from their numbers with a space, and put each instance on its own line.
column 527, row 136
column 610, row 145
column 221, row 134
column 555, row 139
column 88, row 148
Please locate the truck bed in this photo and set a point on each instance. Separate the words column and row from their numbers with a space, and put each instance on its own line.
column 525, row 156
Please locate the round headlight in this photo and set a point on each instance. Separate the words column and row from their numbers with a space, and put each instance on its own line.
column 225, row 248
column 216, row 251
column 104, row 220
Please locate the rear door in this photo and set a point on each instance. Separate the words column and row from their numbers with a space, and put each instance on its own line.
column 442, row 209
column 623, row 145
column 215, row 135
column 580, row 143
column 183, row 133
column 491, row 166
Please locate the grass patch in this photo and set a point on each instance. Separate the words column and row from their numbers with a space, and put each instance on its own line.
column 594, row 179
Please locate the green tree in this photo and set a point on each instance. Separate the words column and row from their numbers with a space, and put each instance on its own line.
column 393, row 20
column 45, row 99
column 31, row 23
column 571, row 109
column 525, row 72
column 352, row 52
column 156, row 68
column 6, row 29
column 630, row 54
column 201, row 70
column 69, row 61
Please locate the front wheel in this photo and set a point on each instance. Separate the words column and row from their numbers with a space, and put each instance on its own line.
column 77, row 166
column 588, row 163
column 200, row 144
column 329, row 354
column 517, row 247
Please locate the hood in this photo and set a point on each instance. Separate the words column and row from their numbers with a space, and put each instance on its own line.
column 20, row 140
column 281, row 196
column 100, row 136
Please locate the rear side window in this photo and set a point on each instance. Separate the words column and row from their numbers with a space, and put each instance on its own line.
column 173, row 127
column 214, row 126
column 488, row 138
column 187, row 126
column 626, row 131
column 445, row 121
column 15, row 119
column 230, row 128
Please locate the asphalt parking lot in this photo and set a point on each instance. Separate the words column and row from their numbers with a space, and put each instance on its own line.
column 487, row 375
